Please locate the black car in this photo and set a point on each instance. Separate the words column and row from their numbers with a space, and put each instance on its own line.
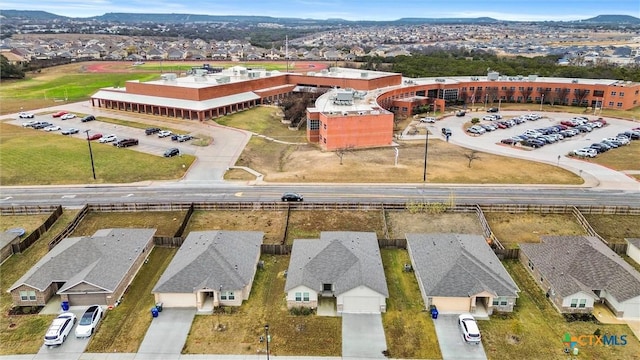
column 291, row 197
column 125, row 142
column 534, row 143
column 492, row 110
column 461, row 113
column 88, row 118
column 509, row 141
column 172, row 152
column 600, row 147
column 151, row 131
column 446, row 132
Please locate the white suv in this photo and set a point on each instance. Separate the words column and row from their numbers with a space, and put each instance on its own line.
column 108, row 138
column 469, row 328
column 586, row 152
column 60, row 329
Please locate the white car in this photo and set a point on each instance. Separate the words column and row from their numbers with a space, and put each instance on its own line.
column 164, row 133
column 60, row 329
column 108, row 139
column 469, row 328
column 30, row 123
column 67, row 116
column 26, row 115
column 585, row 152
column 89, row 321
column 430, row 120
column 52, row 128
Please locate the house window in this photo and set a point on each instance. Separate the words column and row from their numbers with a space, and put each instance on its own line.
column 574, row 303
column 620, row 105
column 610, row 103
column 582, row 303
column 227, row 295
column 502, row 301
column 327, row 287
column 305, row 296
column 479, row 88
column 298, row 296
column 28, row 295
column 613, row 93
column 530, row 265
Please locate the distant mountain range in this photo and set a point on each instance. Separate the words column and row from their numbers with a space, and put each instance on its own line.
column 191, row 18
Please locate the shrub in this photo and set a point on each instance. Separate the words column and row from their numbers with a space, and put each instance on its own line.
column 475, row 120
column 301, row 310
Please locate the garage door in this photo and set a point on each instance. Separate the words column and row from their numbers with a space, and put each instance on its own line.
column 87, row 299
column 361, row 304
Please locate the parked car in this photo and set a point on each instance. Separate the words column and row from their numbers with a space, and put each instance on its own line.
column 489, row 118
column 492, row 109
column 125, row 142
column 164, row 133
column 532, row 142
column 26, row 115
column 52, row 128
column 151, row 131
column 446, row 132
column 183, row 138
column 70, row 131
column 430, row 120
column 67, row 116
column 171, row 152
column 88, row 118
column 461, row 113
column 108, row 139
column 60, row 329
column 95, row 136
column 89, row 321
column 509, row 141
column 290, row 196
column 585, row 152
column 41, row 125
column 59, row 113
column 469, row 328
column 30, row 123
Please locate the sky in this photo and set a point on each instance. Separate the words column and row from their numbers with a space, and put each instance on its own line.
column 523, row 10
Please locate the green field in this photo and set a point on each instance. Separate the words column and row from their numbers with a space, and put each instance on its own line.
column 32, row 157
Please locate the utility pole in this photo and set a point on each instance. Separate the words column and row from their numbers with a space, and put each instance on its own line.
column 93, row 169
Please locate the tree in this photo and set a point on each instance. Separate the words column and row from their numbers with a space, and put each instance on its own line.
column 472, row 155
column 341, row 151
column 10, row 71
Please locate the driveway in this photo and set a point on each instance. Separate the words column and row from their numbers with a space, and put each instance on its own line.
column 452, row 345
column 363, row 336
column 167, row 334
column 72, row 348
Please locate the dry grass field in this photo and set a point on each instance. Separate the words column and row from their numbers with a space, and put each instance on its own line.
column 309, row 224
column 272, row 223
column 27, row 222
column 512, row 229
column 402, row 222
column 166, row 222
column 615, row 228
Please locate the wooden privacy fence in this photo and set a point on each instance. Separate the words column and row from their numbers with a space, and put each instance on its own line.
column 28, row 209
column 37, row 233
column 69, row 228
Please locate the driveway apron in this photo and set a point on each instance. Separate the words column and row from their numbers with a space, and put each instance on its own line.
column 452, row 345
column 363, row 336
column 168, row 332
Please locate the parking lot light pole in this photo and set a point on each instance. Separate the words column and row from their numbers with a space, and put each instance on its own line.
column 93, row 169
column 541, row 100
column 426, row 150
column 266, row 338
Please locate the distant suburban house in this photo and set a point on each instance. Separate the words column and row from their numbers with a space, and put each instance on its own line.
column 460, row 273
column 7, row 239
column 633, row 249
column 341, row 266
column 211, row 268
column 86, row 270
column 576, row 271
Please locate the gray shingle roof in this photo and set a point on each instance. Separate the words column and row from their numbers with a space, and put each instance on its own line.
column 458, row 265
column 583, row 263
column 208, row 259
column 343, row 258
column 102, row 260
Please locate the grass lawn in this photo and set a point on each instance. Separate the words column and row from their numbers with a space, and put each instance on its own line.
column 290, row 335
column 622, row 158
column 512, row 229
column 27, row 222
column 615, row 228
column 535, row 329
column 305, row 224
column 264, row 120
column 166, row 222
column 272, row 223
column 31, row 157
column 23, row 334
column 409, row 330
column 124, row 327
column 403, row 222
column 447, row 163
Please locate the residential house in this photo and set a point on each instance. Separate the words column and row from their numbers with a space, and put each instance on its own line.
column 342, row 267
column 211, row 268
column 577, row 271
column 85, row 270
column 633, row 249
column 460, row 273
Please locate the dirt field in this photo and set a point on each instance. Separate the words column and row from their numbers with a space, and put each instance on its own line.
column 402, row 222
column 272, row 223
column 512, row 229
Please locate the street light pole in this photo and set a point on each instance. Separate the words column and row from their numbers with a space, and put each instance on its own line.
column 93, row 169
column 426, row 150
column 541, row 100
column 266, row 338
